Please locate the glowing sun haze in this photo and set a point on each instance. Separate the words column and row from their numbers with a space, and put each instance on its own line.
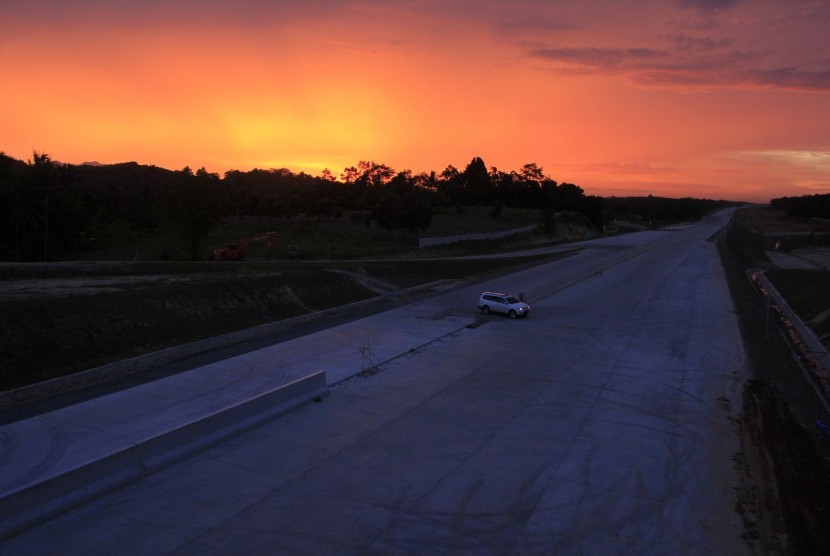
column 726, row 99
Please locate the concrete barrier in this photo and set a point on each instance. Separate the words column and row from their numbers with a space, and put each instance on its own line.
column 52, row 495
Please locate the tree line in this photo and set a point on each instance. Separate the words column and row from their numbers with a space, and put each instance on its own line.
column 658, row 210
column 47, row 209
column 807, row 206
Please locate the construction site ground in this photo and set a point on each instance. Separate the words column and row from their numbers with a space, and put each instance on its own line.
column 785, row 497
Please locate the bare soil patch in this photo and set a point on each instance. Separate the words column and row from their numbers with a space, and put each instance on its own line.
column 771, row 222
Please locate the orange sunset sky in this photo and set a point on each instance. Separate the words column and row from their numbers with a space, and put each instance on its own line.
column 725, row 99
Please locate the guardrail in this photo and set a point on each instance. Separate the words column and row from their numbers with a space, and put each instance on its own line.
column 811, row 353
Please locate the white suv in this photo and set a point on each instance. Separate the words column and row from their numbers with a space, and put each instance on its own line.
column 502, row 303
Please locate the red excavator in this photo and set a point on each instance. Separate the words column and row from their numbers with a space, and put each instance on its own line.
column 236, row 251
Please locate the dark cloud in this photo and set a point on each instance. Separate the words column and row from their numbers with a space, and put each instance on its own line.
column 709, row 5
column 598, row 57
column 701, row 75
column 694, row 63
column 162, row 12
column 791, row 78
column 686, row 43
column 518, row 25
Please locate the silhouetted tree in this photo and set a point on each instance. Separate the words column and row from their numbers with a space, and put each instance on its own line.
column 204, row 174
column 655, row 210
column 808, row 206
column 403, row 204
column 194, row 209
column 532, row 173
column 427, row 181
column 449, row 183
column 476, row 183
column 20, row 212
column 373, row 174
column 43, row 205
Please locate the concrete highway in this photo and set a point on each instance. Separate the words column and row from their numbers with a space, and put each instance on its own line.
column 601, row 424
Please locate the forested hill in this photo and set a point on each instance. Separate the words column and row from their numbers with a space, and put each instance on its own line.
column 810, row 206
column 47, row 208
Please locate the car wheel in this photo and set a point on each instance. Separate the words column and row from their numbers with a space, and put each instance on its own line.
column 485, row 309
column 512, row 314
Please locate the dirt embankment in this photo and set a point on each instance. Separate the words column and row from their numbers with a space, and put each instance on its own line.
column 58, row 326
column 784, row 497
column 61, row 318
column 785, row 462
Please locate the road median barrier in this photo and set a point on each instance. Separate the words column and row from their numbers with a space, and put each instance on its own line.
column 62, row 489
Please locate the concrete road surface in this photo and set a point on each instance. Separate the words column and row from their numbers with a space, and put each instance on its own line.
column 601, row 424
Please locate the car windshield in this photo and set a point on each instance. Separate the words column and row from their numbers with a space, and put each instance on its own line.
column 512, row 300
